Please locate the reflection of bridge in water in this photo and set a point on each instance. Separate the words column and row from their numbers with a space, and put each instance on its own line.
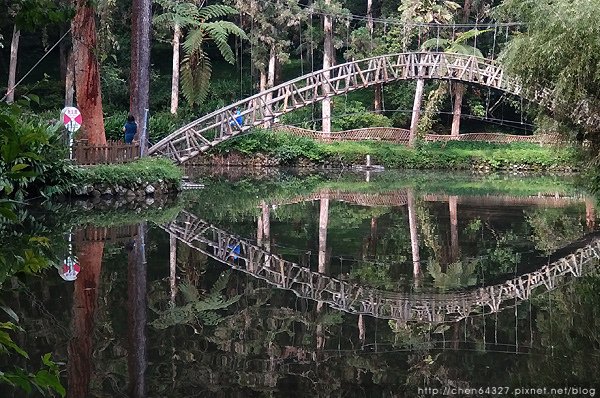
column 400, row 198
column 242, row 255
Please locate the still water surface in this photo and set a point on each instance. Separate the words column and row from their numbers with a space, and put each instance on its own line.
column 325, row 285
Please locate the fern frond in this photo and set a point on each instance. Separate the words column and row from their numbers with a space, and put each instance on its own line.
column 193, row 41
column 435, row 43
column 189, row 292
column 461, row 38
column 215, row 11
column 195, row 77
column 220, row 284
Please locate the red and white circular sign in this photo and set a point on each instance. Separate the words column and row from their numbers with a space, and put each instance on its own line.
column 71, row 118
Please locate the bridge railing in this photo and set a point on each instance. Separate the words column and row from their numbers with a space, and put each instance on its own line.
column 400, row 135
column 111, row 153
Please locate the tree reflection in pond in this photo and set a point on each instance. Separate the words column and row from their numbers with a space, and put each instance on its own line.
column 206, row 330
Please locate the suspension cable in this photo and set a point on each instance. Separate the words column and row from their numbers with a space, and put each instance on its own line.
column 34, row 66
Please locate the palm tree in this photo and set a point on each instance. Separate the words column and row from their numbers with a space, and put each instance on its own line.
column 196, row 67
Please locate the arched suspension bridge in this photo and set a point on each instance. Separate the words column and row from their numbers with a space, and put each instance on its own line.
column 264, row 107
column 242, row 255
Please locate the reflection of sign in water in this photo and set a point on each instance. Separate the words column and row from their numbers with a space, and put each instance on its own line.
column 70, row 268
column 71, row 118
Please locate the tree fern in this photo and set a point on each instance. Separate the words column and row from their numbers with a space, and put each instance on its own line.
column 197, row 308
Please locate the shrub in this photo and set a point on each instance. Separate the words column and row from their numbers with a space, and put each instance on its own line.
column 450, row 155
column 32, row 157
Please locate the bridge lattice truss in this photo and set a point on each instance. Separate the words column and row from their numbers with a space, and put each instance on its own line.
column 352, row 298
column 216, row 127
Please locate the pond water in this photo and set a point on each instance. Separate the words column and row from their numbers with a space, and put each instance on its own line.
column 317, row 284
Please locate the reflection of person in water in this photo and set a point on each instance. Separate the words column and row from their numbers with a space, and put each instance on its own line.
column 235, row 252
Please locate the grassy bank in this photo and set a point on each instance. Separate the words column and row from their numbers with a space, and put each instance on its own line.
column 289, row 150
column 147, row 169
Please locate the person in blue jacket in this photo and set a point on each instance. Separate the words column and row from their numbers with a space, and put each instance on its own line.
column 239, row 119
column 130, row 129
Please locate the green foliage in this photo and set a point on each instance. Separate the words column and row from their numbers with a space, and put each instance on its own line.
column 32, row 157
column 552, row 228
column 45, row 380
column 449, row 155
column 33, row 14
column 197, row 308
column 373, row 274
column 196, row 65
column 458, row 275
column 348, row 115
column 562, row 53
column 143, row 170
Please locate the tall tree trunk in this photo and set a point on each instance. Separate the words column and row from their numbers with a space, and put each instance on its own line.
column 373, row 236
column 173, row 266
column 85, row 300
column 87, row 73
column 416, row 112
column 459, row 90
column 12, row 68
column 70, row 78
column 378, row 98
column 175, row 77
column 266, row 218
column 263, row 80
column 323, row 222
column 590, row 214
column 414, row 236
column 378, row 88
column 453, row 209
column 270, row 82
column 327, row 62
column 140, row 64
column 137, row 305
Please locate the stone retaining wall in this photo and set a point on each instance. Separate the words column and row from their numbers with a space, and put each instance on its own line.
column 139, row 189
